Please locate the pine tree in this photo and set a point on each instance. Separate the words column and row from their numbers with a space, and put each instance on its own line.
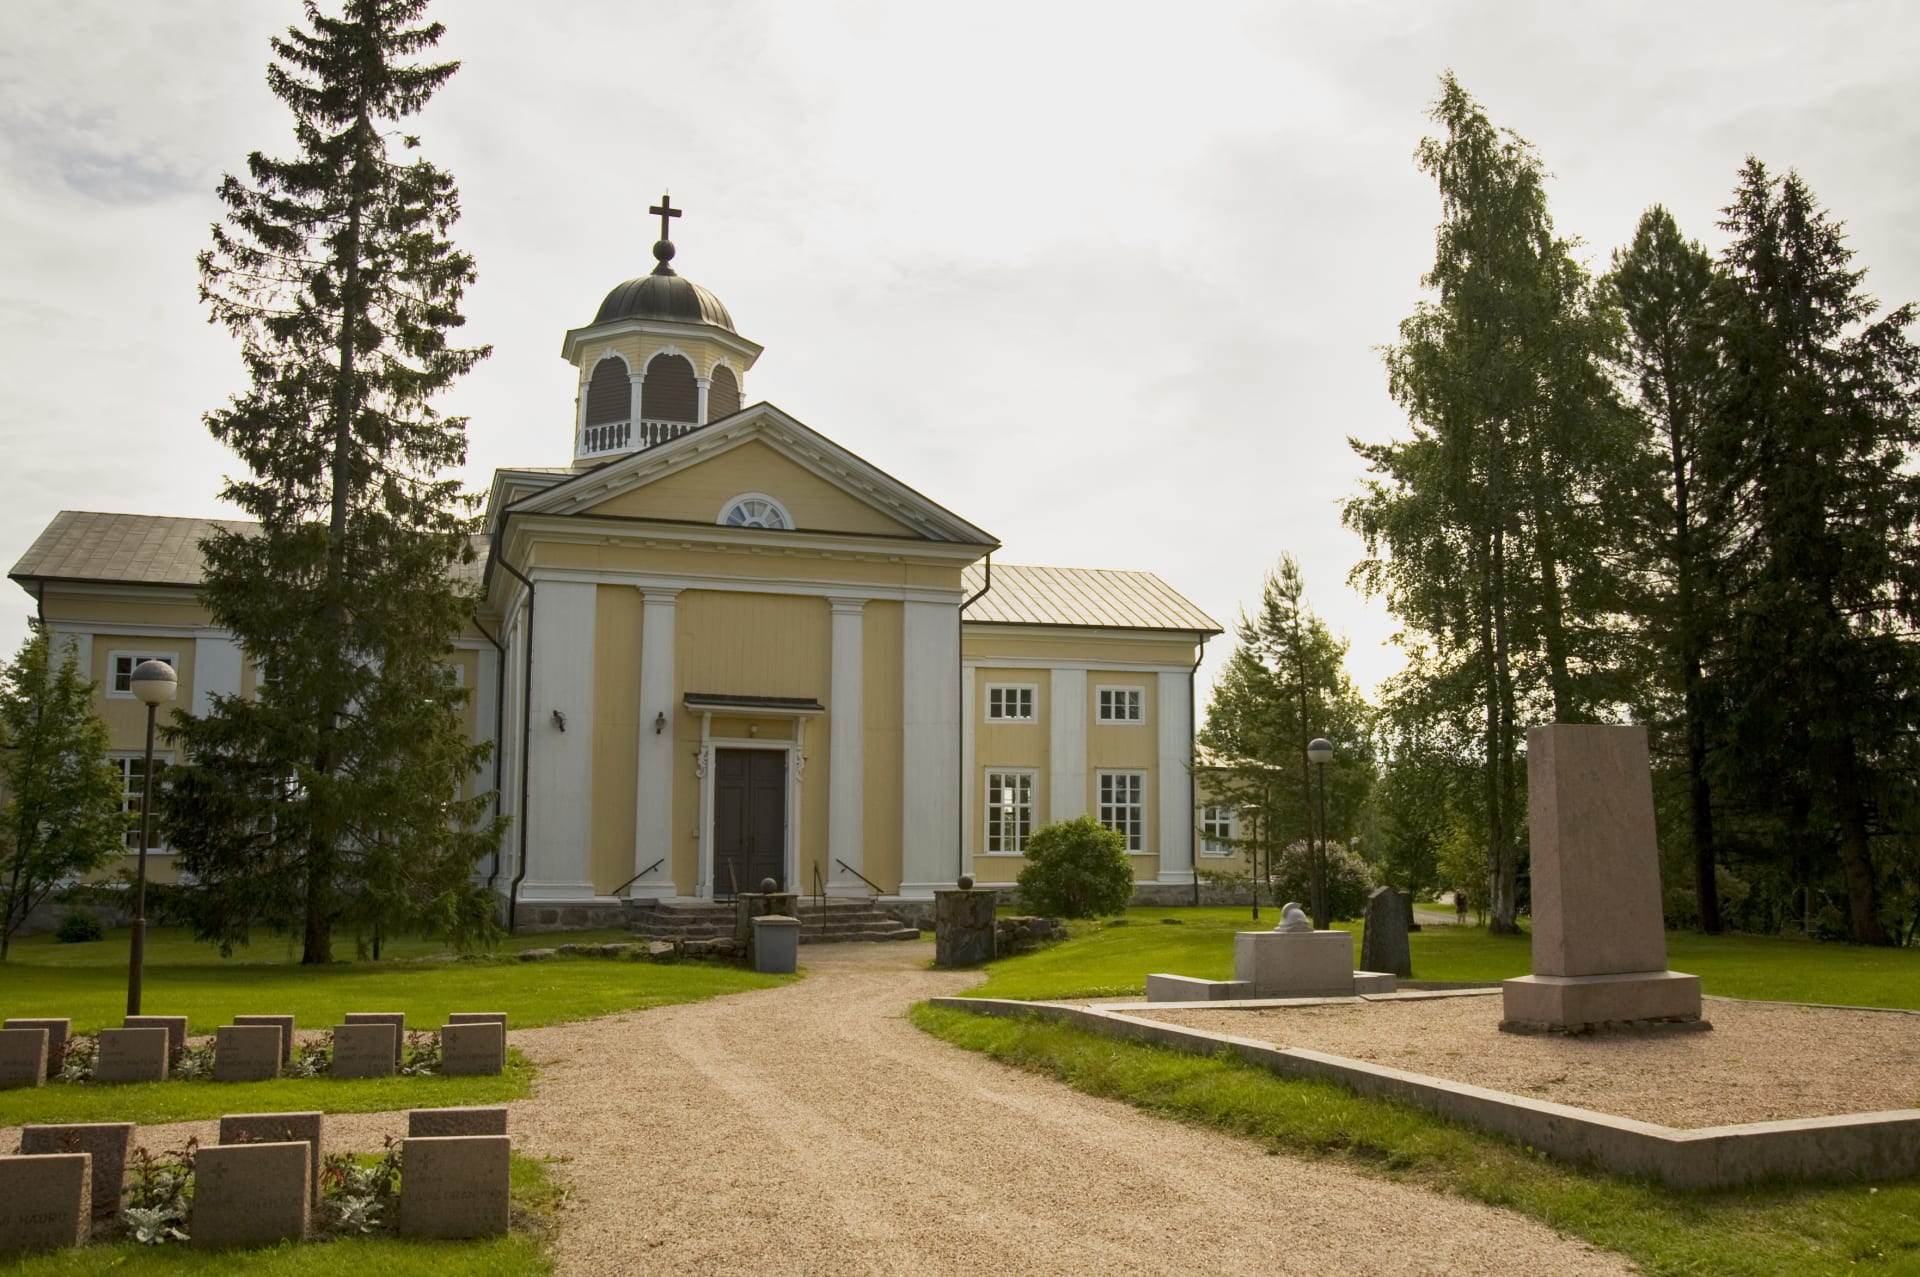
column 59, row 797
column 1670, row 297
column 1815, row 438
column 331, row 796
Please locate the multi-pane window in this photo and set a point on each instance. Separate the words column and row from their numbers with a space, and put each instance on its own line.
column 122, row 664
column 1123, row 808
column 1009, row 810
column 133, row 778
column 1009, row 702
column 1216, row 831
column 1120, row 705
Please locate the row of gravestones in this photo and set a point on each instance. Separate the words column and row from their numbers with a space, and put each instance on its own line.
column 251, row 1049
column 260, row 1184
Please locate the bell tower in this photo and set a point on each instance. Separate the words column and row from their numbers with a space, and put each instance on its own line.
column 660, row 360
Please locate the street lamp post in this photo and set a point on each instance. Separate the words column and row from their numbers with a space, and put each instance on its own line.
column 1320, row 753
column 155, row 684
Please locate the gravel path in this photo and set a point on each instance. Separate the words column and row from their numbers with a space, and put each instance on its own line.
column 1761, row 1062
column 811, row 1130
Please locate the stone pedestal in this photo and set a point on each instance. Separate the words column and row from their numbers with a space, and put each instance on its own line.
column 963, row 931
column 1599, row 939
column 1294, row 964
column 776, row 944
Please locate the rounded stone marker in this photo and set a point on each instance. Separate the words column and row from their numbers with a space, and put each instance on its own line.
column 769, row 886
column 966, row 882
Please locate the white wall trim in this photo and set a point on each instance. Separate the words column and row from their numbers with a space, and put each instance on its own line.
column 653, row 786
column 216, row 671
column 930, row 748
column 1177, row 817
column 1087, row 666
column 846, row 749
column 560, row 781
column 1067, row 745
column 751, row 585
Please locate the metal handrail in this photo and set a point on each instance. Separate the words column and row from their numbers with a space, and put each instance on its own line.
column 820, row 898
column 856, row 873
column 637, row 877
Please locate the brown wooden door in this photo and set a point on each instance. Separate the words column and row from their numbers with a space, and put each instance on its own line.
column 749, row 819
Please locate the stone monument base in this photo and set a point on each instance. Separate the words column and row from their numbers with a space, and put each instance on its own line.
column 1600, row 1003
column 1294, row 964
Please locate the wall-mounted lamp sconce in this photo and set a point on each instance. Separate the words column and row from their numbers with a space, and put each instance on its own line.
column 659, row 722
column 560, row 720
column 753, row 729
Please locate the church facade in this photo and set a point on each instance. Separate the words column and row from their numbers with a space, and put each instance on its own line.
column 714, row 647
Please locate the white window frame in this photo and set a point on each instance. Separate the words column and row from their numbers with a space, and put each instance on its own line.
column 726, row 511
column 130, row 798
column 1219, row 825
column 134, row 656
column 1028, row 692
column 1125, row 814
column 1109, row 696
column 1023, row 805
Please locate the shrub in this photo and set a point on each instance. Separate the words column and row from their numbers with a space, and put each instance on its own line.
column 1076, row 869
column 1349, row 879
column 78, row 928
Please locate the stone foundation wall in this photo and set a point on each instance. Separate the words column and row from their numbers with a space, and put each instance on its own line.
column 539, row 916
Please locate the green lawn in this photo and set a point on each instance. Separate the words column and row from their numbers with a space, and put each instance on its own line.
column 1103, row 959
column 521, row 1253
column 1773, row 1231
column 151, row 1103
column 88, row 982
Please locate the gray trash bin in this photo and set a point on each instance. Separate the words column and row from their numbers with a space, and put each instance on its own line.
column 776, row 944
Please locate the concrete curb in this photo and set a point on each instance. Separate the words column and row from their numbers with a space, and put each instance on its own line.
column 1852, row 1146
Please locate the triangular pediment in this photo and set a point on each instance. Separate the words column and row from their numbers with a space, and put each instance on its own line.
column 763, row 452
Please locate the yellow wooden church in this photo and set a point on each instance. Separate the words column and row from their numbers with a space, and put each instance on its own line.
column 715, row 647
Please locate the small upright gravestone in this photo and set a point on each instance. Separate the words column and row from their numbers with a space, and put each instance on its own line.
column 963, row 930
column 45, row 1202
column 246, row 1052
column 471, row 1050
column 364, row 1050
column 251, row 1194
column 132, row 1055
column 478, row 1017
column 1599, row 935
column 286, row 1032
column 1383, row 944
column 175, row 1025
column 398, row 1019
column 58, row 1031
column 279, row 1128
column 107, row 1143
column 475, row 1120
column 454, row 1186
column 23, row 1057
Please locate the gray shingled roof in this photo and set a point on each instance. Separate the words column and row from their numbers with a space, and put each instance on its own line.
column 142, row 549
column 1082, row 596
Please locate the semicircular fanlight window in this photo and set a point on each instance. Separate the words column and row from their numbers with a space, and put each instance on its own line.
column 755, row 511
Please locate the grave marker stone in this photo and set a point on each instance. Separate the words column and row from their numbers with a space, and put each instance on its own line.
column 23, row 1058
column 1383, row 943
column 286, row 1032
column 1599, row 935
column 251, row 1194
column 453, row 1186
column 476, row 1120
column 59, row 1032
column 175, row 1025
column 45, row 1202
column 364, row 1050
column 397, row 1019
column 246, row 1052
column 132, row 1055
column 478, row 1017
column 278, row 1128
column 107, row 1143
column 469, row 1050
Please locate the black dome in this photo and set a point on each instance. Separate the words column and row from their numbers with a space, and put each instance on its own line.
column 664, row 295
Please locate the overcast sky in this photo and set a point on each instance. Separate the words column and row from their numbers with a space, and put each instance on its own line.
column 1109, row 280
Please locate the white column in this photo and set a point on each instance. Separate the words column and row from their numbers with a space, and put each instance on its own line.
column 1067, row 745
column 969, row 768
column 702, row 384
column 486, row 703
column 216, row 670
column 930, row 748
column 580, row 420
column 846, row 749
column 1175, row 726
column 560, row 760
column 634, row 382
column 653, row 787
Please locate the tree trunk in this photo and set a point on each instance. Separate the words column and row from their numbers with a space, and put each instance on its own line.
column 1505, row 907
column 1693, row 681
column 1856, row 858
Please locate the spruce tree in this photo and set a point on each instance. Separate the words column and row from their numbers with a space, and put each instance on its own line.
column 59, row 796
column 1815, row 437
column 332, row 795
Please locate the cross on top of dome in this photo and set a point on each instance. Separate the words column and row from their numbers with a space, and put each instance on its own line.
column 663, row 247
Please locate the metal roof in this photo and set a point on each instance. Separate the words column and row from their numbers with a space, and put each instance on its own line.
column 1081, row 596
column 139, row 549
column 663, row 296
